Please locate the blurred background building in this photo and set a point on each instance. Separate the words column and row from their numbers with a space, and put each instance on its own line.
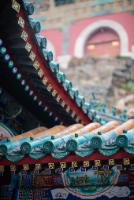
column 99, row 28
column 93, row 42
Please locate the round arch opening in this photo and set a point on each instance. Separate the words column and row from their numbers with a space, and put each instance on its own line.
column 88, row 31
column 103, row 42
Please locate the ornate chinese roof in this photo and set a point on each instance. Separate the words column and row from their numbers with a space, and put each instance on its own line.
column 28, row 72
column 30, row 76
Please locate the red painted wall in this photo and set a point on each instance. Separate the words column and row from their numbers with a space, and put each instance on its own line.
column 56, row 37
column 125, row 19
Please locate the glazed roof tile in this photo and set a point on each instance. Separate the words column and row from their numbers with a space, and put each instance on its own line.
column 60, row 141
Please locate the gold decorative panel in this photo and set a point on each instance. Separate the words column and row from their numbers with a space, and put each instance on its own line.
column 54, row 93
column 49, row 87
column 16, row 6
column 37, row 166
column 12, row 167
column 24, row 36
column 26, row 167
column 126, row 161
column 58, row 98
column 63, row 104
column 1, row 168
column 111, row 162
column 40, row 73
column 51, row 165
column 97, row 163
column 44, row 80
column 86, row 164
column 32, row 56
column 74, row 164
column 68, row 109
column 21, row 22
column 36, row 64
column 63, row 164
column 73, row 114
column 28, row 47
column 77, row 119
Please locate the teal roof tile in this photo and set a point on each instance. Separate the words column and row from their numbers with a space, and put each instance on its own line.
column 59, row 147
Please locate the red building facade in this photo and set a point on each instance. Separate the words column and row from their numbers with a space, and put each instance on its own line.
column 108, row 35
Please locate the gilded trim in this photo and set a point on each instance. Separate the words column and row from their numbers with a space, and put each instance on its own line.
column 126, row 161
column 36, row 64
column 21, row 22
column 54, row 93
column 73, row 114
column 68, row 109
column 28, row 47
column 77, row 119
column 37, row 166
column 111, row 162
column 16, row 6
column 49, row 88
column 74, row 164
column 86, row 164
column 58, row 98
column 12, row 167
column 63, row 104
column 26, row 167
column 24, row 36
column 44, row 80
column 1, row 168
column 63, row 165
column 97, row 163
column 32, row 56
column 51, row 165
column 40, row 73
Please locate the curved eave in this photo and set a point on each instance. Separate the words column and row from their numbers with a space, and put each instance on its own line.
column 17, row 34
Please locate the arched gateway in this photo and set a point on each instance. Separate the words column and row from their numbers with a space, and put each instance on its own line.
column 89, row 30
